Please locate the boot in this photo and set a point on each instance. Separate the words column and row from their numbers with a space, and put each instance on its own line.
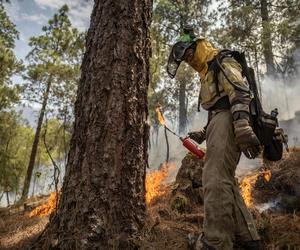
column 201, row 245
column 252, row 245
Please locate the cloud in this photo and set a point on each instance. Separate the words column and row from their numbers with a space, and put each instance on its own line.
column 80, row 10
column 13, row 10
column 53, row 4
column 37, row 18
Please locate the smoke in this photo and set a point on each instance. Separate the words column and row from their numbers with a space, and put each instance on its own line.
column 278, row 93
column 158, row 146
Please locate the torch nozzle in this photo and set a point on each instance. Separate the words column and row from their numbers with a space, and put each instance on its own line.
column 173, row 132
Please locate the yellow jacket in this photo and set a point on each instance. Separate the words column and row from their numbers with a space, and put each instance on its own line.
column 204, row 53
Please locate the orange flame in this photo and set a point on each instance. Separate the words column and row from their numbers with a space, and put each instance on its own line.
column 47, row 208
column 160, row 116
column 247, row 187
column 267, row 175
column 156, row 181
column 248, row 183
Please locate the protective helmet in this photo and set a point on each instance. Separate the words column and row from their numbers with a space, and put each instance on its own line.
column 177, row 53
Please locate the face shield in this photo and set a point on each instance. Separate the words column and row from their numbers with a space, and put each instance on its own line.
column 176, row 57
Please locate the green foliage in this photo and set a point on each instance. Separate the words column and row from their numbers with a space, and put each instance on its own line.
column 9, row 65
column 16, row 139
column 241, row 27
column 8, row 31
column 57, row 139
column 56, row 57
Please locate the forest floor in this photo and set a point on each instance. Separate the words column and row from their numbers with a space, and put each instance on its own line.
column 174, row 218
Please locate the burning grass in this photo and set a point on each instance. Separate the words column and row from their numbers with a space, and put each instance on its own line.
column 248, row 183
column 47, row 208
column 156, row 181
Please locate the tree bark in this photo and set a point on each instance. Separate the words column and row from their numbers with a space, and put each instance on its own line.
column 36, row 142
column 182, row 107
column 182, row 82
column 267, row 38
column 167, row 143
column 102, row 204
column 7, row 198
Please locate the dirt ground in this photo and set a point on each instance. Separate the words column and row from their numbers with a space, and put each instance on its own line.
column 18, row 231
column 165, row 228
column 175, row 217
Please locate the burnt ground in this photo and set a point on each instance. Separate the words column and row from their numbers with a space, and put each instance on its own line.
column 178, row 214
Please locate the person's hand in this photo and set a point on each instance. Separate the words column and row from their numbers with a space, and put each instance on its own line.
column 198, row 136
column 246, row 139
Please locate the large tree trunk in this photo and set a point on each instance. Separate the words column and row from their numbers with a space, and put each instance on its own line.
column 102, row 204
column 36, row 142
column 267, row 38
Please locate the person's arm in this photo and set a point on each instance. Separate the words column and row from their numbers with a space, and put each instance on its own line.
column 237, row 89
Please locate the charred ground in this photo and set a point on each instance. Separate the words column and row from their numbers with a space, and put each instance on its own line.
column 175, row 213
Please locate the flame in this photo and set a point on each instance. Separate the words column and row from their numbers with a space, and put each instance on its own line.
column 47, row 208
column 247, row 187
column 156, row 181
column 248, row 183
column 160, row 116
column 267, row 175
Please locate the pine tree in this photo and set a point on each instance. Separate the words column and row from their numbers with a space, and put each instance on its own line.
column 9, row 65
column 102, row 204
column 52, row 73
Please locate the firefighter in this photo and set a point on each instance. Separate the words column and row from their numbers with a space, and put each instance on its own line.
column 226, row 97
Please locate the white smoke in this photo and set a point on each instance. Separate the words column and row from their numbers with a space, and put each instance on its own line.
column 277, row 93
column 158, row 146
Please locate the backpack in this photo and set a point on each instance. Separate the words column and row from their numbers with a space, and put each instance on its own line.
column 263, row 124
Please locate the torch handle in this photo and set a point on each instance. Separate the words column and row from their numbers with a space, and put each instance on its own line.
column 192, row 147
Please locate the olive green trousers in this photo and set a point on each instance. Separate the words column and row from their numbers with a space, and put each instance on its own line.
column 226, row 217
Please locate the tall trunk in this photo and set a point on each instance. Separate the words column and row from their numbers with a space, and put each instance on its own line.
column 267, row 38
column 182, row 107
column 167, row 142
column 102, row 204
column 7, row 198
column 182, row 81
column 36, row 142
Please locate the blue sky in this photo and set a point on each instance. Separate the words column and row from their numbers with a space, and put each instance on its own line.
column 31, row 15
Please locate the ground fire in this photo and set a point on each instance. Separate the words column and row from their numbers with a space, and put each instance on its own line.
column 47, row 208
column 156, row 181
column 248, row 183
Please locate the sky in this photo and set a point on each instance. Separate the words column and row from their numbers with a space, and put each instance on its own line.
column 31, row 15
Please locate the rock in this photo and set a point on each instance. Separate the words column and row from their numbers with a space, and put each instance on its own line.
column 187, row 189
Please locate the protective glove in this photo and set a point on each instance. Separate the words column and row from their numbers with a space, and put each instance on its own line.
column 246, row 139
column 198, row 136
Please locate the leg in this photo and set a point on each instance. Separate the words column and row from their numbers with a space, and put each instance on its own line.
column 223, row 217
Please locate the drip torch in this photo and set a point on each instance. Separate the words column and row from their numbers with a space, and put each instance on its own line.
column 189, row 144
column 186, row 142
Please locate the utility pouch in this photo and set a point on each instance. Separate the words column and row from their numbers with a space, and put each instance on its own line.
column 264, row 126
